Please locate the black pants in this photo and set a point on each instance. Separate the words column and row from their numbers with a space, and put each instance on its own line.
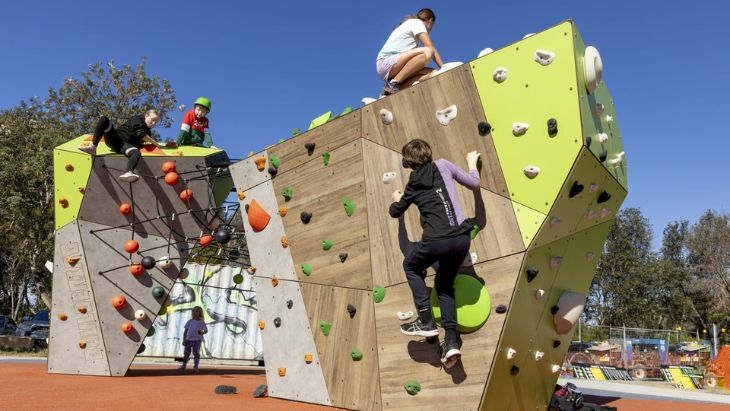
column 450, row 254
column 105, row 128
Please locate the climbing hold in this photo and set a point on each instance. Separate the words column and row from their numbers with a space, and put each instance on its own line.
column 158, row 292
column 386, row 116
column 222, row 235
column 588, row 141
column 283, row 211
column 288, row 193
column 349, row 206
column 555, row 262
column 186, row 194
column 554, row 309
column 148, row 262
column 356, row 354
column 274, row 282
column 69, row 167
column 205, row 240
column 603, row 197
column 238, row 279
column 590, row 256
column 63, row 201
column 306, row 269
column 485, row 52
column 82, row 190
column 511, row 353
column 592, row 68
column 168, row 167
column 327, row 244
column 277, row 322
column 305, row 217
column 514, row 370
column 251, row 270
column 519, row 129
column 273, row 171
column 326, row 158
column 131, row 246
column 136, row 269
column 258, row 218
column 141, row 348
column 81, row 308
column 554, row 222
column 72, row 260
column 225, row 389
column 500, row 75
column 608, row 119
column 309, row 147
column 82, row 344
column 531, row 171
column 556, row 343
column 389, row 177
column 412, row 387
column 282, row 372
column 593, row 188
column 246, row 208
column 171, row 178
column 289, row 304
column 62, row 316
column 605, row 212
column 532, row 272
column 275, row 161
column 445, row 116
column 539, row 293
column 343, row 257
column 325, row 327
column 126, row 327
column 351, row 310
column 474, row 231
column 538, row 355
column 308, row 358
column 165, row 262
column 484, row 128
column 262, row 325
column 501, row 309
column 125, row 208
column 284, row 241
column 260, row 163
column 552, row 126
column 241, row 195
column 378, row 293
column 555, row 368
column 544, row 57
column 568, row 311
column 140, row 315
column 404, row 315
column 591, row 214
column 260, row 391
column 602, row 137
column 575, row 189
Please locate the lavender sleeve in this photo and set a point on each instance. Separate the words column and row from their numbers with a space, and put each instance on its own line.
column 470, row 180
column 449, row 173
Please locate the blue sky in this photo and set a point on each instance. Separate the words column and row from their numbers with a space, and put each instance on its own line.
column 272, row 66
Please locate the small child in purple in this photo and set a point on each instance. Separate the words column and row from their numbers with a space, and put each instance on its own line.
column 445, row 238
column 195, row 328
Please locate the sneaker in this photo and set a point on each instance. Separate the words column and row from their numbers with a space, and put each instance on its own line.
column 418, row 328
column 129, row 177
column 182, row 368
column 394, row 86
column 89, row 149
column 196, row 370
column 449, row 353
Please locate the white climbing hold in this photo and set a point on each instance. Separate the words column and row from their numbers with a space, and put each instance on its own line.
column 165, row 262
column 593, row 68
column 470, row 260
column 140, row 315
column 555, row 262
column 544, row 57
column 500, row 74
column 511, row 353
column 590, row 256
column 389, row 177
column 555, row 368
column 519, row 129
column 485, row 52
column 531, row 171
column 404, row 315
column 593, row 188
column 446, row 115
column 602, row 137
column 386, row 116
column 528, row 35
column 555, row 221
column 539, row 355
column 368, row 100
column 605, row 212
column 599, row 108
column 539, row 293
column 591, row 214
column 474, row 257
column 570, row 307
column 608, row 119
column 446, row 67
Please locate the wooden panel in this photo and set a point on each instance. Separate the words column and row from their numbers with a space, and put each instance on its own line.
column 351, row 384
column 403, row 358
column 320, row 189
column 414, row 114
column 327, row 137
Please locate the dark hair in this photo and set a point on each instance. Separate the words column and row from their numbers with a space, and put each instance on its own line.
column 416, row 154
column 425, row 14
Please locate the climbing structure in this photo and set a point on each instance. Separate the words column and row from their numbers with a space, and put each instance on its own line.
column 328, row 258
column 120, row 246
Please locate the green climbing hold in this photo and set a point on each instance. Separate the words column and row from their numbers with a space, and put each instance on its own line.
column 295, row 132
column 326, row 158
column 327, row 244
column 474, row 231
column 163, row 310
column 158, row 292
column 238, row 278
column 281, row 140
column 349, row 206
column 347, row 110
column 320, row 120
column 378, row 293
column 473, row 303
column 151, row 332
column 412, row 387
column 288, row 193
column 274, row 160
column 356, row 354
column 325, row 327
column 306, row 269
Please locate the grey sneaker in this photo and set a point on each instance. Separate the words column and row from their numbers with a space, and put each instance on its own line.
column 394, row 86
column 89, row 149
column 418, row 328
column 449, row 353
column 129, row 177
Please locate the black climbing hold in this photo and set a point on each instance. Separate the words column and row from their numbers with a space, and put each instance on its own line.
column 305, row 217
column 158, row 292
column 222, row 235
column 272, row 170
column 148, row 262
column 352, row 310
column 310, row 148
column 603, row 197
column 575, row 189
column 554, row 309
column 556, row 343
column 514, row 370
column 484, row 128
column 260, row 391
column 604, row 155
column 246, row 207
column 552, row 125
column 277, row 322
column 588, row 141
column 343, row 257
column 289, row 304
column 225, row 389
column 141, row 349
column 234, row 254
column 532, row 273
column 501, row 309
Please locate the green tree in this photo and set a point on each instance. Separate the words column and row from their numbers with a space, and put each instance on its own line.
column 672, row 275
column 28, row 134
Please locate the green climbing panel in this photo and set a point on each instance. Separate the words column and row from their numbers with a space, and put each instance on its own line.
column 69, row 183
column 529, row 221
column 473, row 303
column 533, row 93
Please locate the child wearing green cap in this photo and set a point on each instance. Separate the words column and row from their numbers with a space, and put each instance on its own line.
column 194, row 129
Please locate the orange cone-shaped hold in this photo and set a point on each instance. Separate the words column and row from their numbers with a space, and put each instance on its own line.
column 136, row 269
column 118, row 301
column 186, row 194
column 168, row 167
column 127, row 327
column 171, row 178
column 205, row 240
column 131, row 246
column 72, row 260
column 125, row 208
column 258, row 218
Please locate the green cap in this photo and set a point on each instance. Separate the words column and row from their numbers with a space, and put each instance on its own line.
column 203, row 102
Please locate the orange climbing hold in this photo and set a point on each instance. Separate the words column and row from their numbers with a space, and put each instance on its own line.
column 69, row 167
column 72, row 260
column 241, row 195
column 136, row 269
column 172, row 178
column 283, row 211
column 118, row 301
column 186, row 194
column 284, row 241
column 131, row 246
column 308, row 358
column 168, row 167
column 205, row 240
column 127, row 327
column 262, row 325
column 81, row 309
column 260, row 163
column 62, row 316
column 82, row 344
column 82, row 190
column 282, row 372
column 125, row 208
column 258, row 218
column 63, row 201
column 274, row 281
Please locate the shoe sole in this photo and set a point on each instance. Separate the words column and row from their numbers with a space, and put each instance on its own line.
column 452, row 357
column 433, row 333
column 129, row 179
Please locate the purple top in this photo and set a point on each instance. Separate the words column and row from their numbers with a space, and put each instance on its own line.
column 450, row 172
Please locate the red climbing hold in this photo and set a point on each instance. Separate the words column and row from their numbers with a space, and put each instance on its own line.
column 136, row 269
column 168, row 167
column 172, row 178
column 118, row 301
column 205, row 240
column 258, row 218
column 131, row 246
column 127, row 327
column 125, row 208
column 186, row 194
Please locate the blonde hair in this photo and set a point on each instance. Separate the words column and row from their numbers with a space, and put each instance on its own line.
column 152, row 113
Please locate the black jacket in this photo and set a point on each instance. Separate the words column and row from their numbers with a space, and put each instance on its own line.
column 133, row 131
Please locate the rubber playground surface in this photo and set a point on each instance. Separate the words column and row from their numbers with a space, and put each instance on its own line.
column 25, row 385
